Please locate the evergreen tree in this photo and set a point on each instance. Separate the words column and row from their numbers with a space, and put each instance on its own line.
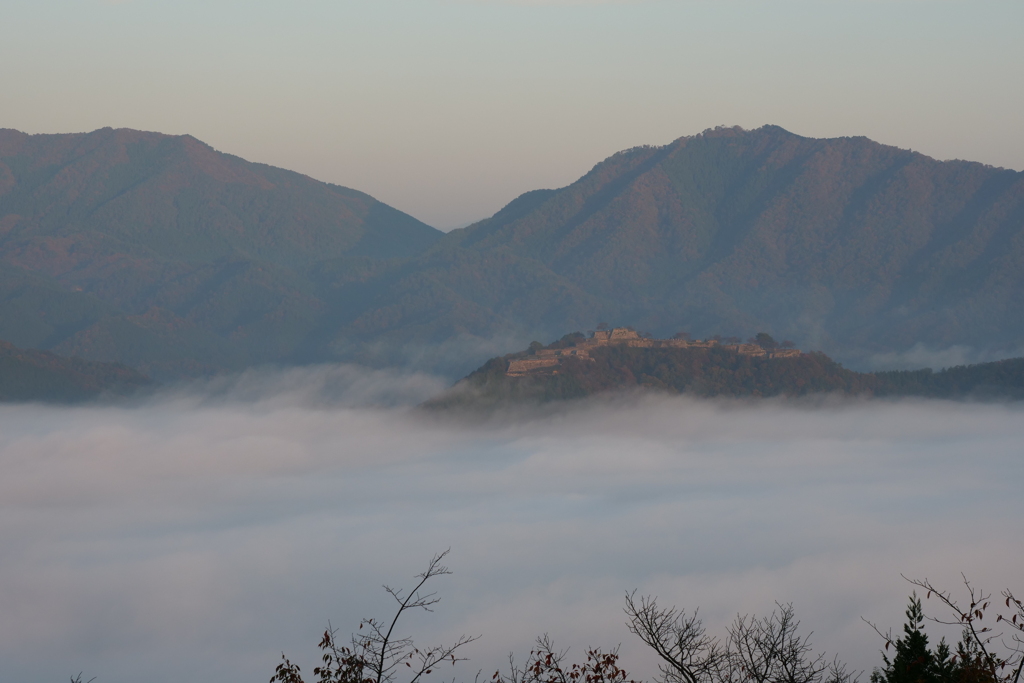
column 913, row 661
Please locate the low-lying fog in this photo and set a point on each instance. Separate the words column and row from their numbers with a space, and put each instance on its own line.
column 202, row 533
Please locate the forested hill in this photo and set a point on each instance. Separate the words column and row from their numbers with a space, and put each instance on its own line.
column 841, row 244
column 161, row 252
column 30, row 375
column 714, row 371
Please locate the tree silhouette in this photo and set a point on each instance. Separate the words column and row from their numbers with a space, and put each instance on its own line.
column 982, row 656
column 913, row 661
column 765, row 341
column 377, row 654
column 756, row 649
column 547, row 665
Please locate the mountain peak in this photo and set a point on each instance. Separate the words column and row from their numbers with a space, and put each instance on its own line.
column 723, row 132
column 161, row 252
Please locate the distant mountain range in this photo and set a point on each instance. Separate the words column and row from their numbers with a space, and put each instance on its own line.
column 162, row 253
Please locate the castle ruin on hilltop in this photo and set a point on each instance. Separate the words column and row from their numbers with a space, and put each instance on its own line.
column 547, row 361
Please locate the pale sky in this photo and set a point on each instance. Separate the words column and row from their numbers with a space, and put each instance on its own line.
column 448, row 109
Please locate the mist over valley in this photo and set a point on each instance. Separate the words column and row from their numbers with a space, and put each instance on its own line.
column 221, row 380
column 198, row 533
column 689, row 336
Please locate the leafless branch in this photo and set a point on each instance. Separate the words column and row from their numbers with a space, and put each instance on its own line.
column 756, row 650
column 384, row 654
column 982, row 639
column 376, row 655
column 769, row 650
column 688, row 654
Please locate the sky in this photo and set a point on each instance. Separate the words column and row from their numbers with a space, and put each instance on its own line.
column 448, row 109
column 198, row 535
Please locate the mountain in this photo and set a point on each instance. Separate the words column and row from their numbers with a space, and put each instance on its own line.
column 161, row 252
column 577, row 367
column 30, row 375
column 842, row 244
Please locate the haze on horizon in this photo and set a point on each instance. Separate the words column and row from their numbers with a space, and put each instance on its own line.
column 448, row 109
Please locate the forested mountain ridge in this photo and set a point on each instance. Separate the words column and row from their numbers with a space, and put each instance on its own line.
column 159, row 251
column 841, row 244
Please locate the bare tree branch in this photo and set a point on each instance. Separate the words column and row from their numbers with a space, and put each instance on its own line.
column 756, row 650
column 688, row 654
column 376, row 655
column 981, row 642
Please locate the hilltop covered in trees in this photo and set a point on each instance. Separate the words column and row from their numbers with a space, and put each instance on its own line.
column 577, row 367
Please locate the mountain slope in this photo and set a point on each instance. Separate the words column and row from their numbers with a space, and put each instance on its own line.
column 841, row 244
column 164, row 254
column 159, row 251
column 30, row 375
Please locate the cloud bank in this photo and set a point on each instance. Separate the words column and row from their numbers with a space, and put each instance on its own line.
column 198, row 535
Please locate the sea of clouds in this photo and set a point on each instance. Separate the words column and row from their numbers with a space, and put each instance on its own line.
column 197, row 534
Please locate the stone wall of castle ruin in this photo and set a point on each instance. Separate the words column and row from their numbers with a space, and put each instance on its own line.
column 621, row 334
column 523, row 366
column 551, row 358
column 747, row 349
